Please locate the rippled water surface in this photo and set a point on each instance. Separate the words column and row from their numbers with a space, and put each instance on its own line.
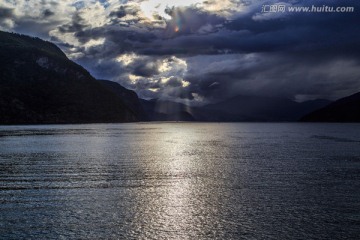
column 180, row 181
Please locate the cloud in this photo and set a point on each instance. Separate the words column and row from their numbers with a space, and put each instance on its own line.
column 273, row 75
column 6, row 13
column 48, row 13
column 201, row 50
column 146, row 69
column 125, row 10
column 189, row 20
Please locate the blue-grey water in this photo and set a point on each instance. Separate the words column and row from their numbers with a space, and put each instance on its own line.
column 180, row 181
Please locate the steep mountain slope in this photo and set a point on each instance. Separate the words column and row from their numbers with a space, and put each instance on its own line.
column 343, row 110
column 130, row 98
column 39, row 84
column 236, row 109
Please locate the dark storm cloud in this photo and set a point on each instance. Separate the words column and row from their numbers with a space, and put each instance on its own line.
column 146, row 69
column 189, row 20
column 131, row 35
column 48, row 13
column 277, row 75
column 6, row 13
column 192, row 31
column 329, row 32
column 174, row 82
column 315, row 54
column 76, row 26
column 122, row 11
column 116, row 41
column 120, row 35
column 296, row 49
column 306, row 31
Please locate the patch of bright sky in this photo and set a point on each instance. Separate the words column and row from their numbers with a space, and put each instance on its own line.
column 158, row 7
column 126, row 59
column 94, row 42
column 133, row 78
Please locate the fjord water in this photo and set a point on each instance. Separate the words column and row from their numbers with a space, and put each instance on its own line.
column 180, row 181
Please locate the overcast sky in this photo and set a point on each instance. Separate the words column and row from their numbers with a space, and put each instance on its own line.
column 202, row 51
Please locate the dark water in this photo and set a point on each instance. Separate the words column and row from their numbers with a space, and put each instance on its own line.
column 180, row 181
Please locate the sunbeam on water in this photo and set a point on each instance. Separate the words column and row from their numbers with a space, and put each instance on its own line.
column 180, row 181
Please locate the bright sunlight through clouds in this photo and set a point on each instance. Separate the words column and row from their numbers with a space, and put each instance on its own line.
column 158, row 7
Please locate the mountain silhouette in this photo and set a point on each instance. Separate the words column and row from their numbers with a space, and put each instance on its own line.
column 39, row 84
column 346, row 109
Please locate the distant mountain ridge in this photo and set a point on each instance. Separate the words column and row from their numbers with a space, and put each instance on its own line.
column 39, row 84
column 236, row 109
column 346, row 109
column 258, row 108
column 164, row 110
